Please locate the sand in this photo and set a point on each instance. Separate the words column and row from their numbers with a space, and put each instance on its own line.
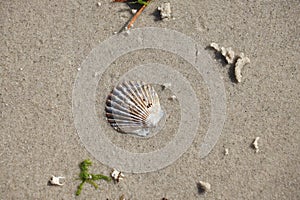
column 44, row 43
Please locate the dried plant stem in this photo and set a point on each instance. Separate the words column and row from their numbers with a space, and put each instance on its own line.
column 136, row 15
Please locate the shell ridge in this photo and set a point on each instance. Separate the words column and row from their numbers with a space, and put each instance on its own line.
column 122, row 114
column 149, row 96
column 120, row 99
column 122, row 108
column 126, row 95
column 138, row 101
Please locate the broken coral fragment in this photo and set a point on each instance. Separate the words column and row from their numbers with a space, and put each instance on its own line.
column 240, row 63
column 228, row 53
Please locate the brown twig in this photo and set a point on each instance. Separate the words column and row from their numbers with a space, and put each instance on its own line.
column 136, row 15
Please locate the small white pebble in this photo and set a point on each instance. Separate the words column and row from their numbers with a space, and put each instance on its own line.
column 21, row 69
column 99, row 4
column 133, row 11
column 78, row 69
column 255, row 144
column 205, row 186
column 173, row 98
column 226, row 151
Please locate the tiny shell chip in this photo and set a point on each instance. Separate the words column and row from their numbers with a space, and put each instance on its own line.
column 133, row 107
column 56, row 180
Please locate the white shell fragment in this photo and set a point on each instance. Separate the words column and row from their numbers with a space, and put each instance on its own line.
column 240, row 63
column 56, row 180
column 215, row 46
column 204, row 186
column 255, row 144
column 165, row 11
column 226, row 151
column 133, row 107
column 172, row 97
column 116, row 175
column 133, row 11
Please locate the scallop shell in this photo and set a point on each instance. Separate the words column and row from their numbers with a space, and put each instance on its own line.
column 133, row 107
